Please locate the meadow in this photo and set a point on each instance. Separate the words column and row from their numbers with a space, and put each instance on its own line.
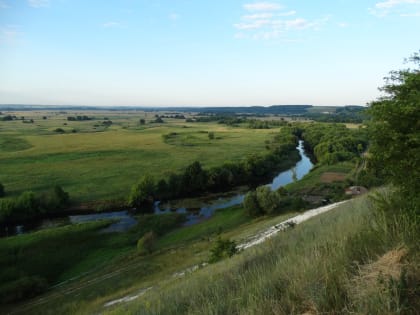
column 96, row 160
column 93, row 161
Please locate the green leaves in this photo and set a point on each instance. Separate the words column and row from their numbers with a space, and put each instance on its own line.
column 395, row 129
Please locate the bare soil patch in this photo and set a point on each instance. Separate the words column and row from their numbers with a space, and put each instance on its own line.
column 329, row 177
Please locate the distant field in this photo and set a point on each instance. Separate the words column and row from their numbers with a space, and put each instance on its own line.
column 92, row 161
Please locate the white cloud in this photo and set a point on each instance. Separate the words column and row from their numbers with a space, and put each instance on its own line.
column 268, row 25
column 392, row 3
column 262, row 6
column 288, row 13
column 267, row 15
column 39, row 3
column 258, row 16
column 400, row 7
column 253, row 25
column 343, row 24
column 298, row 24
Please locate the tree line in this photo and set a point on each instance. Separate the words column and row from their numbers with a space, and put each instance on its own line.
column 195, row 180
column 29, row 205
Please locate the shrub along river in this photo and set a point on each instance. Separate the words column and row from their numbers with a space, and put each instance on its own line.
column 202, row 208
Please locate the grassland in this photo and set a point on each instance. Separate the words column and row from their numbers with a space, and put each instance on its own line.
column 347, row 261
column 330, row 264
column 97, row 162
column 100, row 278
column 92, row 162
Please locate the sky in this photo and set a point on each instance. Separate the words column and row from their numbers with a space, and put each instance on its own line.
column 202, row 52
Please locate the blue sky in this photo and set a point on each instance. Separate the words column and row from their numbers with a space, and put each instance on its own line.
column 202, row 53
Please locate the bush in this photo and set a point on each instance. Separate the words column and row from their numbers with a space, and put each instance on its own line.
column 147, row 243
column 1, row 190
column 222, row 249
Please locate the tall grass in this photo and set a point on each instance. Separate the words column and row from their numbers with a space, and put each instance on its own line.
column 310, row 269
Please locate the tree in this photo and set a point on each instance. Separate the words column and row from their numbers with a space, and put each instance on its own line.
column 1, row 190
column 268, row 200
column 395, row 129
column 222, row 249
column 251, row 205
column 53, row 199
column 194, row 179
column 211, row 135
column 142, row 193
column 142, row 121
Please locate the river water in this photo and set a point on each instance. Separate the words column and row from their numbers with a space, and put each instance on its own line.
column 201, row 210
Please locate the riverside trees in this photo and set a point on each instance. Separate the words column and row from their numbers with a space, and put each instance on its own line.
column 195, row 180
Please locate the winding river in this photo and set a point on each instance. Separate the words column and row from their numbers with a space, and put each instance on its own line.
column 206, row 209
column 196, row 209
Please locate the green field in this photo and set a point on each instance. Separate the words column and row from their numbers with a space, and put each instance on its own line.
column 97, row 162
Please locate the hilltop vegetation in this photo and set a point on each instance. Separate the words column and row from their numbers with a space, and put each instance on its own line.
column 361, row 258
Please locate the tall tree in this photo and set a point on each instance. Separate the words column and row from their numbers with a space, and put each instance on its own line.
column 395, row 129
column 142, row 193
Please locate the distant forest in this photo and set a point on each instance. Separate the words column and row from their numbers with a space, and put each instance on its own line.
column 340, row 114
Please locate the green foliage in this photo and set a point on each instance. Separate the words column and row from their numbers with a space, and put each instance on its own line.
column 269, row 201
column 346, row 114
column 142, row 193
column 223, row 248
column 147, row 243
column 2, row 193
column 28, row 205
column 264, row 201
column 211, row 135
column 333, row 143
column 395, row 129
column 251, row 204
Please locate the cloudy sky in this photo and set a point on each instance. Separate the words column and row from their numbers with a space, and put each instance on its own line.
column 202, row 52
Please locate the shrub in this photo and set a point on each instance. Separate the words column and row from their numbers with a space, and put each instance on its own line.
column 222, row 249
column 147, row 243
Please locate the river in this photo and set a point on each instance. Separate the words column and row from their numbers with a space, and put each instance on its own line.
column 206, row 210
column 202, row 209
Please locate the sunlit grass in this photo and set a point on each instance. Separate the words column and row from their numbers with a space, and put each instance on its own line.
column 98, row 163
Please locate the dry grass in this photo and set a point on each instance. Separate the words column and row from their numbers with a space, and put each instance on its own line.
column 377, row 282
